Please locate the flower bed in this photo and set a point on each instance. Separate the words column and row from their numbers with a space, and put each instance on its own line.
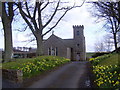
column 33, row 66
column 107, row 76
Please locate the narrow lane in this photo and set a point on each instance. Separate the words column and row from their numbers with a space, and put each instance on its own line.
column 68, row 76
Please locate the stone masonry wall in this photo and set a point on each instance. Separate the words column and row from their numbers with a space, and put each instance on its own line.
column 13, row 75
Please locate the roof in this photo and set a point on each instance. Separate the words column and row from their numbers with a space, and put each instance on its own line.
column 66, row 42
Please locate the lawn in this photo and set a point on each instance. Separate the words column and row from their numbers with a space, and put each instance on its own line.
column 17, row 63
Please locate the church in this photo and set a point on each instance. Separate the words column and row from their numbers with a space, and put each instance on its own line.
column 73, row 49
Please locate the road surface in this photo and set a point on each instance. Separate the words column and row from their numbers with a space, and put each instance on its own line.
column 73, row 75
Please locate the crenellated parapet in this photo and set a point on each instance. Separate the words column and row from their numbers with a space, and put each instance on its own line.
column 78, row 26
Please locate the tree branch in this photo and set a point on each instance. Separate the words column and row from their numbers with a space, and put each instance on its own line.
column 27, row 9
column 20, row 8
column 52, row 15
column 45, row 6
column 24, row 17
column 35, row 24
column 35, row 9
column 56, row 22
column 67, row 9
column 24, row 29
column 29, row 41
column 112, row 25
column 39, row 19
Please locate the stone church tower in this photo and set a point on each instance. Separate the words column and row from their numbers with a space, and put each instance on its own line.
column 79, row 42
column 73, row 48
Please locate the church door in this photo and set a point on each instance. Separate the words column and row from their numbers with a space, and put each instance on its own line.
column 70, row 53
column 78, row 57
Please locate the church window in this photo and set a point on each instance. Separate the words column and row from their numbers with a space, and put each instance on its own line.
column 78, row 33
column 49, row 51
column 78, row 45
column 56, row 51
column 53, row 51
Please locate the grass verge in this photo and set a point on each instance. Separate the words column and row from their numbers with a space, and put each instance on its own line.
column 112, row 60
column 34, row 66
column 106, row 69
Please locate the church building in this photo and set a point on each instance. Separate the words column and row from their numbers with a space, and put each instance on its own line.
column 73, row 49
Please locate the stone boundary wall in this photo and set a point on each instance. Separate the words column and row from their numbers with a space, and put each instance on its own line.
column 13, row 75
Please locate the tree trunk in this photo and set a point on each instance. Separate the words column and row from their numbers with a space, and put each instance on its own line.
column 7, row 40
column 115, row 42
column 39, row 41
column 7, row 17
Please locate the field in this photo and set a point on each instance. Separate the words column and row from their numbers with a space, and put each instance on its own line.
column 89, row 54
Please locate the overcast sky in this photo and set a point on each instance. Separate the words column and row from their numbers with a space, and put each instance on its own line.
column 79, row 16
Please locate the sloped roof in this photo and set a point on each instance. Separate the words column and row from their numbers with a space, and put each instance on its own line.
column 66, row 42
column 53, row 36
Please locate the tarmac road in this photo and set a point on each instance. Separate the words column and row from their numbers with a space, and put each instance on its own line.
column 72, row 75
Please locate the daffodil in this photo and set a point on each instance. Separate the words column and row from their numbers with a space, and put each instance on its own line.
column 112, row 81
column 117, row 83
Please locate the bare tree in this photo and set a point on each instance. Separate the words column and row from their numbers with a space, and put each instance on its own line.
column 108, row 42
column 99, row 46
column 109, row 12
column 7, row 18
column 39, row 19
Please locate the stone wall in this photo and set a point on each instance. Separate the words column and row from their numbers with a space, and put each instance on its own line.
column 13, row 75
column 55, row 42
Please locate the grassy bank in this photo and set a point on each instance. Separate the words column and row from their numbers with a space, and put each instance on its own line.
column 89, row 54
column 112, row 60
column 106, row 69
column 0, row 65
column 33, row 66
